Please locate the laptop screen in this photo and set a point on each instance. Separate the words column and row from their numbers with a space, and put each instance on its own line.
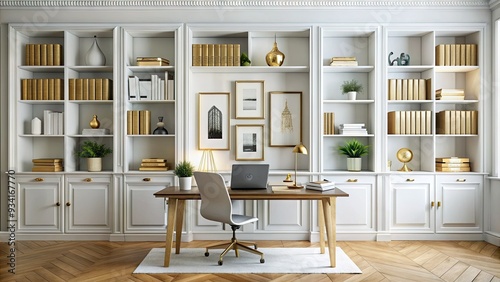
column 249, row 176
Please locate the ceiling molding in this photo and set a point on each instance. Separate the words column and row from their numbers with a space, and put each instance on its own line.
column 247, row 3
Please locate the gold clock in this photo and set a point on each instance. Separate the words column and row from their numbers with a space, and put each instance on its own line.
column 404, row 155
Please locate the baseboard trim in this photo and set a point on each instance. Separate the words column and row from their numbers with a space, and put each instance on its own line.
column 492, row 238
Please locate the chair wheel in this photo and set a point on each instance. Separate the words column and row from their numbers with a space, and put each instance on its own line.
column 220, row 262
column 262, row 260
column 207, row 254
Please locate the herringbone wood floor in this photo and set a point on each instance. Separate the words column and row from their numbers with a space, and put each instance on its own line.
column 379, row 261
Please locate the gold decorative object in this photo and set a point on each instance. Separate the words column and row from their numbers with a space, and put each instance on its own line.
column 404, row 155
column 302, row 150
column 94, row 123
column 288, row 178
column 275, row 57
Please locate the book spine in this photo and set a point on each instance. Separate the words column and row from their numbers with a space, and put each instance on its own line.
column 197, row 54
column 204, row 61
column 236, row 55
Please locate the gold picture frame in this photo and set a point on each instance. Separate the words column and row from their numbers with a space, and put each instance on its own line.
column 213, row 121
column 285, row 118
column 249, row 142
column 249, row 99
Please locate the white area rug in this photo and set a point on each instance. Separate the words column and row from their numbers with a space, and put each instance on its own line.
column 277, row 260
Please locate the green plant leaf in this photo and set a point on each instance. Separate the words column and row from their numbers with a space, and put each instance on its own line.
column 353, row 149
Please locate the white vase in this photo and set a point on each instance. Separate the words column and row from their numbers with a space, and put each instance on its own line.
column 354, row 164
column 351, row 95
column 185, row 183
column 36, row 126
column 94, row 164
column 95, row 57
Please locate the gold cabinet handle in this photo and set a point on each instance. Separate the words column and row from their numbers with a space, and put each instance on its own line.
column 410, row 180
column 352, row 180
column 439, row 204
column 39, row 179
column 58, row 204
column 461, row 180
column 68, row 204
column 87, row 179
column 146, row 179
column 432, row 204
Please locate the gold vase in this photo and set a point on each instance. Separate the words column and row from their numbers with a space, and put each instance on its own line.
column 275, row 57
column 94, row 123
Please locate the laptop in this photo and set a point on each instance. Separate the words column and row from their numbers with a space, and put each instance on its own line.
column 249, row 176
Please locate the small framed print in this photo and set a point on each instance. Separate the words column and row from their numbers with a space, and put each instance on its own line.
column 213, row 121
column 250, row 142
column 250, row 99
column 285, row 119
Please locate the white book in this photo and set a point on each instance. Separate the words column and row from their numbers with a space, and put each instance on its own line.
column 170, row 89
column 162, row 89
column 47, row 123
column 132, row 87
column 320, row 188
column 154, row 84
column 145, row 89
column 61, row 123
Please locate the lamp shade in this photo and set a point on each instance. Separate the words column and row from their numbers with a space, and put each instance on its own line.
column 300, row 149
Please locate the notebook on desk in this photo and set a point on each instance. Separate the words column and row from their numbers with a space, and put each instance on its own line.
column 249, row 176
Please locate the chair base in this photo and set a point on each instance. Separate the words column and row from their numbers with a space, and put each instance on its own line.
column 236, row 246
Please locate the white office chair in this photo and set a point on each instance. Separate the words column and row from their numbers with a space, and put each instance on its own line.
column 216, row 205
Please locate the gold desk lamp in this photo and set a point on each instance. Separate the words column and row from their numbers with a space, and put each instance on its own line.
column 302, row 150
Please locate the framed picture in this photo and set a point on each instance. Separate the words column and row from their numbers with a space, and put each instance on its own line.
column 285, row 119
column 250, row 142
column 250, row 99
column 213, row 121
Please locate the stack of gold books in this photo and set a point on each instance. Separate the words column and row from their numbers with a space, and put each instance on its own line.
column 153, row 164
column 47, row 165
column 152, row 61
column 452, row 164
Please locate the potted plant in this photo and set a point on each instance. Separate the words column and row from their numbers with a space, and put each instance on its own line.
column 351, row 88
column 354, row 150
column 184, row 170
column 93, row 152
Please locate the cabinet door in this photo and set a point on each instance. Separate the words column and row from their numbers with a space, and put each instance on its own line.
column 459, row 200
column 39, row 204
column 411, row 202
column 356, row 212
column 88, row 204
column 144, row 212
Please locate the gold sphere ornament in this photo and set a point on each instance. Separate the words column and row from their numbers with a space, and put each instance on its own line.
column 404, row 155
column 94, row 123
column 275, row 57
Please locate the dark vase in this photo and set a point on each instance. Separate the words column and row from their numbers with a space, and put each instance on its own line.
column 160, row 129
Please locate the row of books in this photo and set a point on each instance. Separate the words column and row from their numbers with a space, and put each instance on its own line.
column 453, row 164
column 47, row 165
column 409, row 122
column 456, row 122
column 155, row 88
column 138, row 122
column 328, row 123
column 409, row 89
column 353, row 129
column 456, row 55
column 44, row 55
column 343, row 61
column 322, row 185
column 152, row 61
column 53, row 122
column 90, row 89
column 153, row 164
column 42, row 89
column 450, row 94
column 216, row 54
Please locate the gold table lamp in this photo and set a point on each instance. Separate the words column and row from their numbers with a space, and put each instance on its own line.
column 302, row 150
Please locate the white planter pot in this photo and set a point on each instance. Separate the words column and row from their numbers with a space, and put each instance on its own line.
column 185, row 183
column 94, row 164
column 354, row 164
column 351, row 95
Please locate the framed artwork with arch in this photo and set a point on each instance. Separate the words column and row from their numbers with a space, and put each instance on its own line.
column 213, row 121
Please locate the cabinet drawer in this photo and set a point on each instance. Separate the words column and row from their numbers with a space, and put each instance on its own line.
column 351, row 179
column 459, row 178
column 89, row 179
column 39, row 178
column 412, row 178
column 150, row 179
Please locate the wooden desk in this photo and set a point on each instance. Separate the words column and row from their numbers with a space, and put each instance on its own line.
column 326, row 211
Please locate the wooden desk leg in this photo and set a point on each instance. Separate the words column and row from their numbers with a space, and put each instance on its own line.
column 328, row 205
column 172, row 206
column 321, row 224
column 179, row 218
